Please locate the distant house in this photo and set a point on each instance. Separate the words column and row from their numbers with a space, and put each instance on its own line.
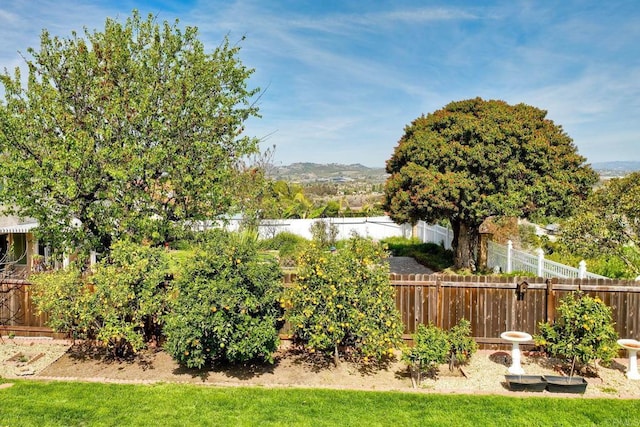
column 18, row 247
column 552, row 229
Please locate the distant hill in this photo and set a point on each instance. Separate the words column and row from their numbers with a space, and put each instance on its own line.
column 335, row 172
column 611, row 169
column 332, row 172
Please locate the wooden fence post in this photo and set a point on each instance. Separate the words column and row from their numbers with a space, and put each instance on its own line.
column 439, row 310
column 550, row 312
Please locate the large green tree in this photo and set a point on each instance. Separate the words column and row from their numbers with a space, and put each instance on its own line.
column 132, row 130
column 474, row 159
column 608, row 223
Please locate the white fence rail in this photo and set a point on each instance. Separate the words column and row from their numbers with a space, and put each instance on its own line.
column 429, row 233
column 509, row 260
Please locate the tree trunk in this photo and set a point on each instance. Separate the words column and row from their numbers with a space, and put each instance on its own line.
column 465, row 245
column 415, row 374
column 483, row 250
column 104, row 238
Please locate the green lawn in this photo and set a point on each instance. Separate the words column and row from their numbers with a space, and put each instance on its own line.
column 33, row 403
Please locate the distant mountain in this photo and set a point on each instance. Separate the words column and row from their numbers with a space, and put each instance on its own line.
column 620, row 168
column 335, row 172
column 312, row 172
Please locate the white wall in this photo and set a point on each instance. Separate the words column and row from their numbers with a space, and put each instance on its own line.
column 378, row 227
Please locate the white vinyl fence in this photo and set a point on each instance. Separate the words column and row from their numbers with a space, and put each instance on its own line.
column 430, row 233
column 378, row 227
column 499, row 257
column 508, row 260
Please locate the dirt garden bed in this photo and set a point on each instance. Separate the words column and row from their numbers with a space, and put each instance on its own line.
column 484, row 374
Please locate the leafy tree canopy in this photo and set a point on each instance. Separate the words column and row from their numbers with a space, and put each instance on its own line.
column 474, row 159
column 127, row 131
column 608, row 223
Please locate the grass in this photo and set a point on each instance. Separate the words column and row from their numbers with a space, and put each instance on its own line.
column 430, row 255
column 32, row 403
column 177, row 258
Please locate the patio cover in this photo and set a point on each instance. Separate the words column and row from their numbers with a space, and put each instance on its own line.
column 18, row 228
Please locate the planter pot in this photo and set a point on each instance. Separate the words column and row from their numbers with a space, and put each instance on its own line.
column 526, row 382
column 559, row 384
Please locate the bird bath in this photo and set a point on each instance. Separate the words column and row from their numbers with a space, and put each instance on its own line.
column 632, row 346
column 515, row 338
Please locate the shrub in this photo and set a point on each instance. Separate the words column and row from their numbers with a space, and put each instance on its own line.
column 324, row 232
column 431, row 348
column 611, row 266
column 129, row 296
column 343, row 304
column 225, row 304
column 430, row 255
column 401, row 246
column 287, row 244
column 64, row 297
column 433, row 256
column 583, row 331
column 120, row 304
column 461, row 345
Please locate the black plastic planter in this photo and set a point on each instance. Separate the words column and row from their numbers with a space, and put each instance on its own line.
column 526, row 382
column 557, row 384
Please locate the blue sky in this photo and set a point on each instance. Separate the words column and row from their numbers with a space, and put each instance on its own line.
column 341, row 79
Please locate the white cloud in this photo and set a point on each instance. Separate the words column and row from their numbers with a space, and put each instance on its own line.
column 344, row 82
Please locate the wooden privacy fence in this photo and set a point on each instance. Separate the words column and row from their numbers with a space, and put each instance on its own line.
column 491, row 304
column 17, row 312
column 494, row 305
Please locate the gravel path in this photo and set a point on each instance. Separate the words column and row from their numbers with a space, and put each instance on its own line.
column 407, row 265
column 24, row 357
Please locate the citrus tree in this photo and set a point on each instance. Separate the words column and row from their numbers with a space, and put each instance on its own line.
column 582, row 332
column 461, row 344
column 433, row 346
column 343, row 304
column 225, row 303
column 120, row 304
column 64, row 297
column 430, row 349
column 129, row 296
